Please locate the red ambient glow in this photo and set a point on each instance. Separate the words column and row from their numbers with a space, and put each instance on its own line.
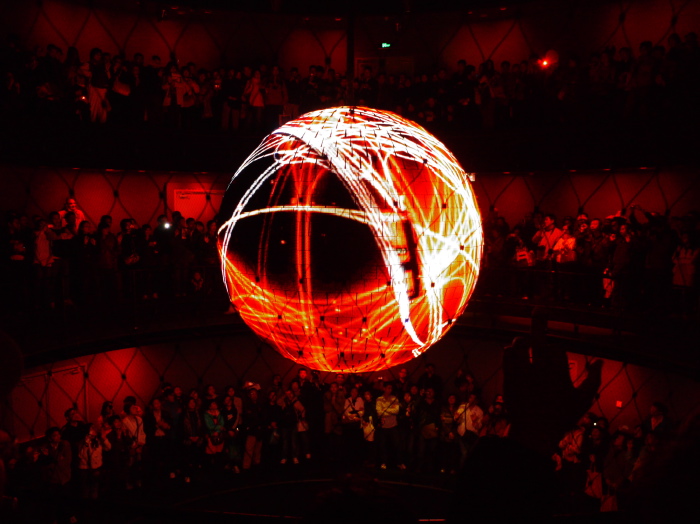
column 362, row 191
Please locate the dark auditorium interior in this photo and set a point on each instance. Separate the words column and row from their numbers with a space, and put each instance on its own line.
column 132, row 390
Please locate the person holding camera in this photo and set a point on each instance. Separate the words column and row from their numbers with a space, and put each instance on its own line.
column 90, row 460
column 546, row 238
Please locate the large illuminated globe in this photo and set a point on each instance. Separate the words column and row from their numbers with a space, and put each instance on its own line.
column 351, row 240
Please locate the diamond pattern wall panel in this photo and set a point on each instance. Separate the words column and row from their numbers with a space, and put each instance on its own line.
column 600, row 193
column 208, row 38
column 140, row 195
column 86, row 382
column 145, row 195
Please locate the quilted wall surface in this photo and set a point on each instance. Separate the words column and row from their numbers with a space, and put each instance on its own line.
column 210, row 38
column 143, row 195
column 44, row 393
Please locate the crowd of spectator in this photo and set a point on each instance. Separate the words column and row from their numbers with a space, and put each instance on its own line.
column 630, row 262
column 634, row 260
column 655, row 84
column 65, row 260
column 421, row 424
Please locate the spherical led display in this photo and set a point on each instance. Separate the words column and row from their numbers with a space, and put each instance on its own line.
column 351, row 240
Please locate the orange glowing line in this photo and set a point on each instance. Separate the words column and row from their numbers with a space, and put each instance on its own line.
column 414, row 196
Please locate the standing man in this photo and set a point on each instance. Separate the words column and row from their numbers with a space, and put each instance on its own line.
column 71, row 206
column 469, row 417
column 546, row 237
column 388, row 435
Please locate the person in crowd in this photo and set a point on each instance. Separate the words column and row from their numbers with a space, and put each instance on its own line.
column 106, row 412
column 277, row 386
column 333, row 407
column 428, row 432
column 351, row 419
column 210, row 395
column 496, row 421
column 192, row 438
column 430, row 379
column 565, row 258
column 272, row 435
column 90, row 457
column 214, row 433
column 135, row 432
column 617, row 467
column 546, row 238
column 387, row 408
column 469, row 418
column 158, row 426
column 232, row 418
column 74, row 432
column 449, row 442
column 232, row 87
column 252, row 427
column 294, row 93
column 191, row 111
column 292, row 420
column 115, row 458
column 402, row 384
column 657, row 422
column 99, row 85
column 254, row 96
column 71, row 206
column 572, row 465
column 194, row 395
column 685, row 263
column 409, row 427
column 275, row 97
column 57, row 461
column 369, row 420
column 45, row 266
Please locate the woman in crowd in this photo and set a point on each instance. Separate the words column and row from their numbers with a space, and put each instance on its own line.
column 116, row 458
column 254, row 95
column 232, row 419
column 106, row 412
column 351, row 419
column 192, row 438
column 158, row 426
column 90, row 459
column 293, row 416
column 133, row 427
column 449, row 447
column 214, row 432
column 252, row 427
column 369, row 421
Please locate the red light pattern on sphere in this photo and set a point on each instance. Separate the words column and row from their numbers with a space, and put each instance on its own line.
column 351, row 240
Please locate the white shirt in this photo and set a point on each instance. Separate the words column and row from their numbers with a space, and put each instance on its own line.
column 469, row 418
column 133, row 426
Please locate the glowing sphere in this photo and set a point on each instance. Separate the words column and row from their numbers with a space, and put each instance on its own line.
column 351, row 240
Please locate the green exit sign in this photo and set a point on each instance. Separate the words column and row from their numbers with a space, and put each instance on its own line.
column 385, row 45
